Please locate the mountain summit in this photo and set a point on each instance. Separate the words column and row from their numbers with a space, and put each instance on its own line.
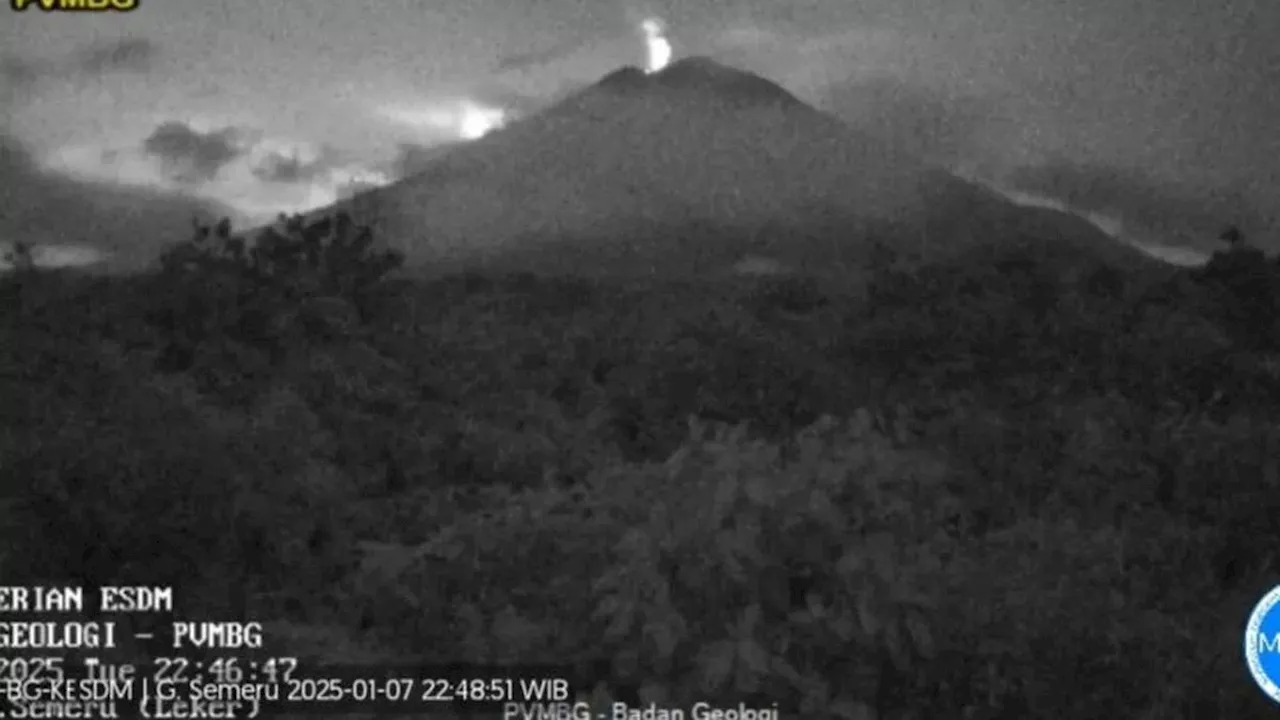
column 694, row 166
column 702, row 75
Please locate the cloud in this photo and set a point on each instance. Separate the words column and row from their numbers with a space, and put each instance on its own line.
column 893, row 86
column 351, row 182
column 514, row 101
column 19, row 80
column 462, row 116
column 531, row 59
column 981, row 98
column 240, row 168
column 278, row 166
column 739, row 36
column 17, row 71
column 131, row 225
column 533, row 78
column 134, row 55
column 191, row 156
column 92, row 62
column 15, row 159
column 438, row 124
column 912, row 118
column 319, row 172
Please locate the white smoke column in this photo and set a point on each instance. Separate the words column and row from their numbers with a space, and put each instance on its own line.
column 657, row 45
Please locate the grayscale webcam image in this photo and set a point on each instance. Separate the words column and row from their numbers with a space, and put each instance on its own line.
column 640, row 359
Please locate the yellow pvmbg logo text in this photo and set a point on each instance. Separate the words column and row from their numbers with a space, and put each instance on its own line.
column 75, row 5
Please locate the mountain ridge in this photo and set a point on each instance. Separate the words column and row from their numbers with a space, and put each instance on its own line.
column 620, row 168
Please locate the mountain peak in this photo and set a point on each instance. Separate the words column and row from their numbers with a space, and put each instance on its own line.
column 704, row 75
column 699, row 75
column 685, row 168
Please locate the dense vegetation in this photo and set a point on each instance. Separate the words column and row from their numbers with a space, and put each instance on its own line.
column 983, row 489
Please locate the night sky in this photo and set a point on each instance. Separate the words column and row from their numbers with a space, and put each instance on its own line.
column 260, row 104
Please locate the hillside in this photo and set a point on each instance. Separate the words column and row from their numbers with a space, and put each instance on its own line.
column 749, row 490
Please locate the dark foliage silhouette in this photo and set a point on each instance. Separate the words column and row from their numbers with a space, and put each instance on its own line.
column 1246, row 288
column 771, row 491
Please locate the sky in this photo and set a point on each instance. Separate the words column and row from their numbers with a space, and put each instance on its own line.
column 252, row 107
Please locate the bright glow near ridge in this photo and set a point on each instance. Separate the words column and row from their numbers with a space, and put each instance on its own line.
column 476, row 122
column 466, row 119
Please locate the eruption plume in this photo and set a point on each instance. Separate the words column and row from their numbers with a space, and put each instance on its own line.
column 657, row 46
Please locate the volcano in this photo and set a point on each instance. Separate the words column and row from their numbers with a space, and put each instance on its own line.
column 687, row 170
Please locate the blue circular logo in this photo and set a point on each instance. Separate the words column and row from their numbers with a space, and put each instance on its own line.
column 1262, row 644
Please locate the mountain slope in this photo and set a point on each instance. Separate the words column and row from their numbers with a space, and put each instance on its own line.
column 692, row 167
